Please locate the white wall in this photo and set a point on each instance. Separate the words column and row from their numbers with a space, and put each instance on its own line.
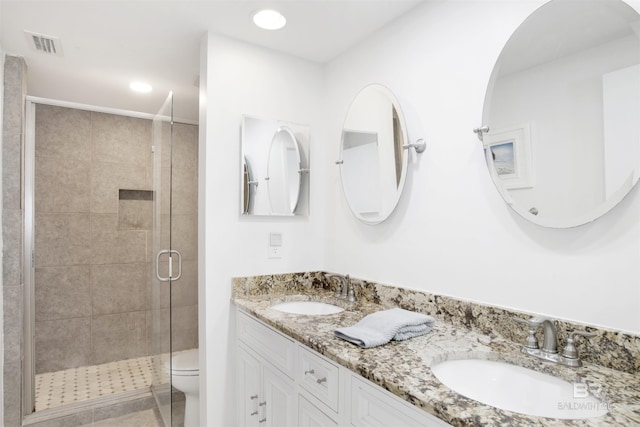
column 452, row 233
column 244, row 79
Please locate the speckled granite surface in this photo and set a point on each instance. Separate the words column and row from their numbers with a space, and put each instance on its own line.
column 464, row 330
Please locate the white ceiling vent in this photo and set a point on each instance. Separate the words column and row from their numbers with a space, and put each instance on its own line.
column 51, row 45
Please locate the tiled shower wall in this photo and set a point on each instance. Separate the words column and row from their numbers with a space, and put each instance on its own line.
column 93, row 221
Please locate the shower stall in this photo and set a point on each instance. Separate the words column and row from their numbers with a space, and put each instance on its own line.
column 111, row 232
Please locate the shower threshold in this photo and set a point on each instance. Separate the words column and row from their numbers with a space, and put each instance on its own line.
column 98, row 409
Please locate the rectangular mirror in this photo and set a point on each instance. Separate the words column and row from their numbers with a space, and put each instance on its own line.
column 274, row 165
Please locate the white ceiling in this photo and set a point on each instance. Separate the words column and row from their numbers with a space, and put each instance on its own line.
column 109, row 43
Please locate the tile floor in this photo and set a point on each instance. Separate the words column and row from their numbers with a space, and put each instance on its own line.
column 54, row 389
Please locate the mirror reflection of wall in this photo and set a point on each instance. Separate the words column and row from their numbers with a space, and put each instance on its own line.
column 275, row 156
column 284, row 170
column 568, row 79
column 373, row 161
column 360, row 149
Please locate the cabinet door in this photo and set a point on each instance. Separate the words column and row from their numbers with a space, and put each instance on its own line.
column 248, row 388
column 280, row 397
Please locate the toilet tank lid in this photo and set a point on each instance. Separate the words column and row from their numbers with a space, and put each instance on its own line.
column 185, row 360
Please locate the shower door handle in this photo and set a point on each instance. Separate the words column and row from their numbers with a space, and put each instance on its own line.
column 171, row 277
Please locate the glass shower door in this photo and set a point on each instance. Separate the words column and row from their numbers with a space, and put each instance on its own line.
column 165, row 262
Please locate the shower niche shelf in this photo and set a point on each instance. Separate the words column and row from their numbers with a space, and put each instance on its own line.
column 135, row 209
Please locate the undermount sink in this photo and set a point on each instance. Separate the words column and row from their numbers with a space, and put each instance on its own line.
column 310, row 308
column 517, row 389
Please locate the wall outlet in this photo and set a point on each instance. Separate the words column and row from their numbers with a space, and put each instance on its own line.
column 275, row 252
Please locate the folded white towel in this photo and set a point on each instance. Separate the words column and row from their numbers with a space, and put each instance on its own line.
column 411, row 331
column 381, row 327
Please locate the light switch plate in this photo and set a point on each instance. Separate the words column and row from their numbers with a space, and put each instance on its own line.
column 275, row 245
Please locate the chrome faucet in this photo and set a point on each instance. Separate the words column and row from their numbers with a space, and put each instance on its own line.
column 344, row 290
column 549, row 350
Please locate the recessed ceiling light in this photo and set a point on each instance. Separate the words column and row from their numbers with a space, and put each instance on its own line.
column 269, row 19
column 140, row 87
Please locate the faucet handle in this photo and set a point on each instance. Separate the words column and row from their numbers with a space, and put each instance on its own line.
column 532, row 326
column 351, row 296
column 519, row 320
column 570, row 351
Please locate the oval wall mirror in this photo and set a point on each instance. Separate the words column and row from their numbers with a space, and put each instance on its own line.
column 563, row 112
column 283, row 172
column 373, row 163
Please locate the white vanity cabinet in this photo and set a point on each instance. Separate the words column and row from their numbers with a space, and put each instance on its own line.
column 266, row 390
column 281, row 382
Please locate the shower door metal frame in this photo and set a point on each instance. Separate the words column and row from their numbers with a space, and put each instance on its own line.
column 28, row 305
column 158, row 283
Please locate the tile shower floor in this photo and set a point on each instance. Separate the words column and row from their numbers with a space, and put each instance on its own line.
column 54, row 389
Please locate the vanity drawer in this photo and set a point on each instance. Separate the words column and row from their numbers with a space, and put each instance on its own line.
column 372, row 406
column 319, row 377
column 276, row 348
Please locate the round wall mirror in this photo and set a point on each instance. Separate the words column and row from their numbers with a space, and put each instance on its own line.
column 373, row 163
column 563, row 112
column 283, row 171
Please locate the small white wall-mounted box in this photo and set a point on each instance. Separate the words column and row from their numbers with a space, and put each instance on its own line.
column 275, row 245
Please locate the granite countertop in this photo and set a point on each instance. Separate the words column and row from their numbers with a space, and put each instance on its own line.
column 403, row 367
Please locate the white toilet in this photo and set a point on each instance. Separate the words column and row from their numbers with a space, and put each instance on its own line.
column 185, row 376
